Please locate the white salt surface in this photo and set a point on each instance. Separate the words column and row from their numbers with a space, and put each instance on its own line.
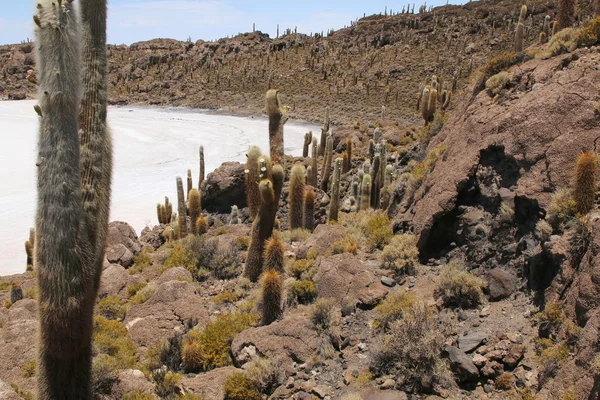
column 152, row 146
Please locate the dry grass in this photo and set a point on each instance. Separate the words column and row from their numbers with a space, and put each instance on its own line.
column 368, row 229
column 401, row 254
column 458, row 287
column 497, row 83
column 393, row 307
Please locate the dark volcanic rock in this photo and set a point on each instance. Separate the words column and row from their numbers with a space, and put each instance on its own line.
column 224, row 187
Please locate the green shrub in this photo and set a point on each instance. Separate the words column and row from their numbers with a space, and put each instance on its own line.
column 497, row 83
column 225, row 297
column 569, row 39
column 302, row 291
column 29, row 368
column 239, row 387
column 181, row 257
column 142, row 296
column 393, row 307
column 345, row 245
column 137, row 395
column 401, row 254
column 562, row 209
column 368, row 229
column 140, row 262
column 166, row 383
column 458, row 287
column 135, row 287
column 111, row 338
column 111, row 307
column 300, row 267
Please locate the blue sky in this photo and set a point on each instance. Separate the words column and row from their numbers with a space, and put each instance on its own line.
column 134, row 20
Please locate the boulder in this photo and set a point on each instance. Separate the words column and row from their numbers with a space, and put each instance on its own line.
column 501, row 284
column 376, row 394
column 461, row 364
column 471, row 341
column 17, row 343
column 209, row 385
column 114, row 281
column 122, row 244
column 321, row 240
column 130, row 380
column 345, row 278
column 165, row 313
column 153, row 236
column 224, row 187
column 292, row 339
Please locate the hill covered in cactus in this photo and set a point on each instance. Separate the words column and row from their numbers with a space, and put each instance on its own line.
column 445, row 248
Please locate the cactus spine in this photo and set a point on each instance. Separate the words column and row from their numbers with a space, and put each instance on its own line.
column 271, row 293
column 309, row 209
column 252, row 175
column 277, row 118
column 296, row 196
column 274, row 251
column 181, row 210
column 201, row 172
column 234, row 218
column 195, row 210
column 327, row 164
column 365, row 194
column 74, row 180
column 315, row 158
column 586, row 175
column 335, row 191
column 262, row 227
column 29, row 250
column 307, row 142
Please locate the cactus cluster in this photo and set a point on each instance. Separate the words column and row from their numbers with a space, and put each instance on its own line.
column 74, row 185
column 164, row 212
column 430, row 96
column 307, row 141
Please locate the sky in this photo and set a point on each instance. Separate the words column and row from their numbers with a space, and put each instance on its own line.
column 130, row 21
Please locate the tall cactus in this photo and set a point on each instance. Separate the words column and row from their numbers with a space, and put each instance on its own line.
column 349, row 151
column 168, row 210
column 334, row 206
column 195, row 210
column 519, row 38
column 277, row 118
column 252, row 176
column 375, row 172
column 425, row 104
column 29, row 250
column 327, row 164
column 201, row 172
column 307, row 142
column 361, row 175
column 74, row 180
column 181, row 210
column 324, row 131
column 315, row 166
column 262, row 227
column 365, row 194
column 296, row 196
column 309, row 209
column 190, row 185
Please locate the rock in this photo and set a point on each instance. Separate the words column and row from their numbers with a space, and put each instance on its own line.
column 224, row 187
column 485, row 311
column 388, row 384
column 17, row 344
column 122, row 244
column 472, row 341
column 376, row 394
column 389, row 282
column 210, row 384
column 7, row 392
column 174, row 274
column 321, row 240
column 501, row 284
column 165, row 313
column 345, row 279
column 292, row 339
column 479, row 360
column 130, row 380
column 114, row 281
column 514, row 355
column 461, row 364
column 153, row 236
column 321, row 391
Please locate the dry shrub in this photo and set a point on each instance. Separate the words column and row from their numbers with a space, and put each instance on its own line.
column 368, row 229
column 401, row 254
column 458, row 287
column 497, row 83
column 300, row 269
column 239, row 387
column 324, row 314
column 266, row 374
column 412, row 348
column 111, row 307
column 569, row 39
column 505, row 381
column 301, row 292
column 295, row 235
column 207, row 256
column 393, row 307
column 562, row 209
column 225, row 297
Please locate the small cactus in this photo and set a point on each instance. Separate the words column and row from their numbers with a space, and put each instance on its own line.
column 201, row 225
column 543, row 38
column 307, row 142
column 345, row 167
column 309, row 209
column 371, row 150
column 16, row 293
column 181, row 210
column 271, row 293
column 274, row 253
column 201, row 172
column 296, row 194
column 29, row 250
column 365, row 194
column 195, row 209
column 425, row 104
column 522, row 14
column 335, row 191
column 234, row 218
column 586, row 175
column 252, row 178
column 432, row 104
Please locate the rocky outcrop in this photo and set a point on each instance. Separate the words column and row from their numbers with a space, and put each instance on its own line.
column 114, row 280
column 321, row 240
column 153, row 236
column 501, row 284
column 209, row 385
column 224, row 187
column 122, row 244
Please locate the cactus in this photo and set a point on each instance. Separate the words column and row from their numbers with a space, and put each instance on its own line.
column 554, row 28
column 181, row 210
column 519, row 38
column 195, row 209
column 234, row 218
column 522, row 14
column 324, row 131
column 168, row 211
column 446, row 100
column 277, row 118
column 345, row 167
column 371, row 150
column 389, row 171
column 16, row 293
column 432, row 104
column 201, row 225
column 29, row 250
column 566, row 13
column 546, row 28
column 361, row 175
column 314, row 177
column 296, row 191
column 376, row 135
column 262, row 227
column 307, row 142
column 252, row 175
column 543, row 38
column 201, row 172
column 586, row 174
column 74, row 180
column 189, row 183
column 383, row 162
column 425, row 104
column 349, row 151
column 335, row 191
column 160, row 213
column 271, row 293
column 309, row 209
column 274, row 252
column 327, row 164
column 365, row 194
column 375, row 180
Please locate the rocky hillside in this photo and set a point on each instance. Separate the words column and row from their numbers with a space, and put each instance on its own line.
column 379, row 61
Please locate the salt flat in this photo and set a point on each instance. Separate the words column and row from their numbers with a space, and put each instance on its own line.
column 151, row 147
